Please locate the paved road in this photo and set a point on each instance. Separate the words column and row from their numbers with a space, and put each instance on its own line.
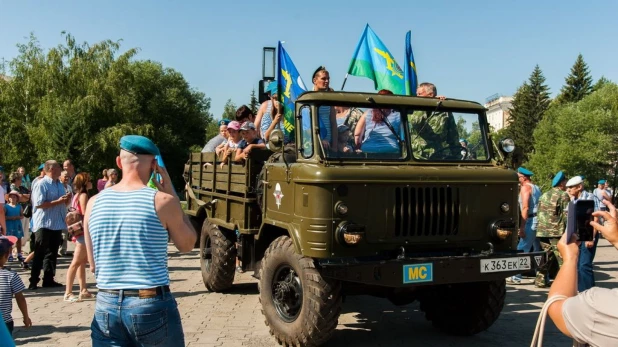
column 234, row 319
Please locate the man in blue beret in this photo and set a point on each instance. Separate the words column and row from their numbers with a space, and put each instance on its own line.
column 221, row 137
column 131, row 222
column 529, row 195
column 600, row 193
column 551, row 226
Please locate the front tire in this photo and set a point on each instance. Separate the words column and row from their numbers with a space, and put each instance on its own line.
column 464, row 309
column 217, row 257
column 300, row 307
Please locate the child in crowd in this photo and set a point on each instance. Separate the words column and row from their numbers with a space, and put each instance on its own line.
column 250, row 141
column 228, row 147
column 344, row 139
column 11, row 285
column 14, row 214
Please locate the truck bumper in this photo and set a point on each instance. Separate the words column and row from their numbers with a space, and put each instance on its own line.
column 406, row 272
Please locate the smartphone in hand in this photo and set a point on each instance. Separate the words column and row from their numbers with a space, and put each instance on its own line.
column 578, row 220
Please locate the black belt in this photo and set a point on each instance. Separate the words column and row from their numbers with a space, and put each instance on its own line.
column 142, row 293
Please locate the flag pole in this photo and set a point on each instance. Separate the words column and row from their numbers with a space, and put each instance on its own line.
column 345, row 79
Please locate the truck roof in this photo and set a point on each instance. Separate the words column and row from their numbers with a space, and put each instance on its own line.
column 395, row 100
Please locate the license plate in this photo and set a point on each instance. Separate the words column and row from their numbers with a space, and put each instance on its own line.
column 505, row 264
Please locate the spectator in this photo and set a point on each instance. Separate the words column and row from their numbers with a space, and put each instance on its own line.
column 26, row 181
column 64, row 179
column 269, row 115
column 11, row 285
column 113, row 177
column 70, row 169
column 49, row 200
column 30, row 256
column 16, row 180
column 212, row 144
column 529, row 195
column 116, row 220
column 552, row 222
column 601, row 193
column 81, row 184
column 14, row 214
column 2, row 194
column 592, row 316
column 101, row 182
column 3, row 183
column 378, row 130
column 231, row 144
column 585, row 274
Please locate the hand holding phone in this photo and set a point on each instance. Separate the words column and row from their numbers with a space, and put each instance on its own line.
column 578, row 220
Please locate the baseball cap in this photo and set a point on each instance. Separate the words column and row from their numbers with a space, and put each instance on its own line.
column 6, row 242
column 138, row 144
column 234, row 125
column 247, row 126
column 574, row 181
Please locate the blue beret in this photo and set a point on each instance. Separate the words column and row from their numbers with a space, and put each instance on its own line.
column 525, row 171
column 137, row 144
column 272, row 88
column 558, row 178
column 602, row 181
column 224, row 122
column 41, row 167
column 463, row 140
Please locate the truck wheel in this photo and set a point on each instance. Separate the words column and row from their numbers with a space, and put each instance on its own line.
column 464, row 309
column 217, row 257
column 301, row 308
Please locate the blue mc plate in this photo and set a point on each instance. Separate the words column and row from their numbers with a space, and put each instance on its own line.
column 417, row 273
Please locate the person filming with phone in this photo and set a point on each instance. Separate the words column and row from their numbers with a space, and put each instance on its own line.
column 592, row 316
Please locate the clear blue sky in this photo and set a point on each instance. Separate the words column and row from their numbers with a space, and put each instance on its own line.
column 469, row 49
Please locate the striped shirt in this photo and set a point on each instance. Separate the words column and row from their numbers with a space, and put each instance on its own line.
column 324, row 122
column 128, row 239
column 48, row 190
column 10, row 284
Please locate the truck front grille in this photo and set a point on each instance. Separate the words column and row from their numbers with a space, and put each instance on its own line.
column 426, row 211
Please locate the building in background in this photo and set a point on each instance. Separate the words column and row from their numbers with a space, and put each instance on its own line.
column 498, row 111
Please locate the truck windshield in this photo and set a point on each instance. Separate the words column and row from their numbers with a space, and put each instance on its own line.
column 393, row 133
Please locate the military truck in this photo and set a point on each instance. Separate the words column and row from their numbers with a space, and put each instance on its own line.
column 428, row 220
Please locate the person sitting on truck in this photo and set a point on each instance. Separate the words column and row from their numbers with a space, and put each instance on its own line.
column 269, row 115
column 434, row 134
column 249, row 142
column 244, row 114
column 327, row 117
column 212, row 144
column 231, row 144
column 378, row 130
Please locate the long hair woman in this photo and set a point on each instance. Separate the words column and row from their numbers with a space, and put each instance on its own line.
column 81, row 185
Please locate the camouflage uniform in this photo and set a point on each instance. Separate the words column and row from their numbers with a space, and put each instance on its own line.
column 439, row 138
column 552, row 223
column 351, row 121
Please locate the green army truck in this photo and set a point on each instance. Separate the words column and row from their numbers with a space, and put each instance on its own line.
column 429, row 214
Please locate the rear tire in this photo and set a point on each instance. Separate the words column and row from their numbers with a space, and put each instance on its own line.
column 464, row 309
column 301, row 307
column 217, row 257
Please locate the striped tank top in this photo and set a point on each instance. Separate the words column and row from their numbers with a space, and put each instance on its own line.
column 129, row 242
column 267, row 120
column 324, row 122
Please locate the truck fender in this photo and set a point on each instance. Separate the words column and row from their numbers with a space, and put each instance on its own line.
column 271, row 229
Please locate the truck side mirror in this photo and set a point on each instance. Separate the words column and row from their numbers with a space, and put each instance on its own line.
column 275, row 141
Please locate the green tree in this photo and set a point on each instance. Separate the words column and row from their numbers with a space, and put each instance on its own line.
column 229, row 110
column 578, row 82
column 600, row 83
column 579, row 138
column 529, row 105
column 254, row 104
column 76, row 100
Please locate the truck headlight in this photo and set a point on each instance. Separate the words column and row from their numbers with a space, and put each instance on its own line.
column 502, row 230
column 350, row 233
column 507, row 145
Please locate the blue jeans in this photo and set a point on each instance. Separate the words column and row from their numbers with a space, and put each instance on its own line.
column 530, row 242
column 131, row 321
column 585, row 276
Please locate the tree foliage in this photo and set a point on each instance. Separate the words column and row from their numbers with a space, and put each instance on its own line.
column 580, row 138
column 254, row 104
column 600, row 83
column 578, row 83
column 77, row 100
column 229, row 110
column 528, row 107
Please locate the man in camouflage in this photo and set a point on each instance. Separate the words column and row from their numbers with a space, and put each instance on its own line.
column 552, row 223
column 436, row 137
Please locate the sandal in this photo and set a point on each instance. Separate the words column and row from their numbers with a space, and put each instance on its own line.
column 86, row 295
column 69, row 297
